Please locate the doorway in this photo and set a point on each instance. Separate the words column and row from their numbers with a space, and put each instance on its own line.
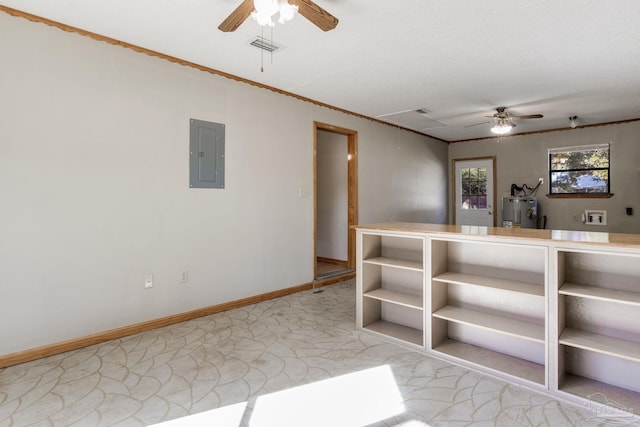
column 474, row 197
column 335, row 164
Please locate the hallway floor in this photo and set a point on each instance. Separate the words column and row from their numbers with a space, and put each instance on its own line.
column 326, row 269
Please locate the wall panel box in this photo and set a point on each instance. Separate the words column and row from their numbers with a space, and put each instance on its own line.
column 206, row 154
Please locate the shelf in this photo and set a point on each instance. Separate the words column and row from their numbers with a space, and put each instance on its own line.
column 610, row 346
column 486, row 358
column 393, row 262
column 517, row 328
column 400, row 298
column 610, row 397
column 602, row 294
column 489, row 282
column 394, row 330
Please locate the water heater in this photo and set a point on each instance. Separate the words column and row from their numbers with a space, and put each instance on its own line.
column 520, row 212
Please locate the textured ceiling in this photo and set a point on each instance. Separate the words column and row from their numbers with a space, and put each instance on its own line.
column 458, row 60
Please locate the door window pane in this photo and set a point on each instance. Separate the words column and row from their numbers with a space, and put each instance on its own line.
column 474, row 188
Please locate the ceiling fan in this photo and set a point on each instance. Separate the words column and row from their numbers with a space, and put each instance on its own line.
column 314, row 13
column 504, row 121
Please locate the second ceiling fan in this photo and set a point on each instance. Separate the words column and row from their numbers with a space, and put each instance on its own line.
column 314, row 13
column 504, row 121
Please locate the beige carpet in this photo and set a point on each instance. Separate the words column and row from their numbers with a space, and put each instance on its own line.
column 293, row 361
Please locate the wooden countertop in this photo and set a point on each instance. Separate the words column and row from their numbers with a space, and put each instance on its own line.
column 589, row 237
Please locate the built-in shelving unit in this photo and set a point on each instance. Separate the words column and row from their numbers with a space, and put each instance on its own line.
column 490, row 296
column 553, row 310
column 392, row 283
column 598, row 332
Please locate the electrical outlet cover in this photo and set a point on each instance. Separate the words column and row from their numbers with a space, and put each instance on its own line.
column 595, row 217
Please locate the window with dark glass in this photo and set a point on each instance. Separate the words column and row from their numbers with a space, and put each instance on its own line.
column 579, row 170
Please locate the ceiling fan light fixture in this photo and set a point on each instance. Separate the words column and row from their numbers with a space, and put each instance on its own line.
column 264, row 11
column 501, row 127
column 287, row 11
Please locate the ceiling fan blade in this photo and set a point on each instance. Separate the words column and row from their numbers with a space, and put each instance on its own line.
column 317, row 15
column 237, row 17
column 530, row 116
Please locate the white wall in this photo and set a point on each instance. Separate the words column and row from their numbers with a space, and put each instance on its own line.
column 524, row 159
column 331, row 195
column 94, row 186
column 401, row 178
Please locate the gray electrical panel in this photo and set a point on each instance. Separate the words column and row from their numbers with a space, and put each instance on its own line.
column 206, row 154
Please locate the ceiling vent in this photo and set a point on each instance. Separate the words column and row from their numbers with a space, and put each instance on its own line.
column 413, row 119
column 264, row 44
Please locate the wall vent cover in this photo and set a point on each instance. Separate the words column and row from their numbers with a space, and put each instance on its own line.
column 264, row 44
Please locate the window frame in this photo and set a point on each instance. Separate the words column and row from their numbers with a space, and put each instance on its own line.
column 580, row 148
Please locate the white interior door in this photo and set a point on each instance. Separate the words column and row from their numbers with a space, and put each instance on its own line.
column 474, row 201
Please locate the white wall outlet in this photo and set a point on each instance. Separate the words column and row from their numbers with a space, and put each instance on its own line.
column 595, row 217
column 541, row 181
column 148, row 281
column 184, row 276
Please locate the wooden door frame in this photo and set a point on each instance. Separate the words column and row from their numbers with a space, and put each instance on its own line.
column 352, row 191
column 453, row 185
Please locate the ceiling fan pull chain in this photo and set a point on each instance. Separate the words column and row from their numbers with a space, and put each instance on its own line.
column 262, row 50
